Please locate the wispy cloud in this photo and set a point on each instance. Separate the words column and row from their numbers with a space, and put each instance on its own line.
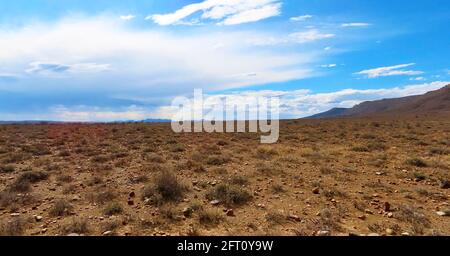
column 48, row 68
column 127, row 17
column 300, row 18
column 309, row 36
column 419, row 78
column 328, row 65
column 300, row 37
column 396, row 70
column 355, row 25
column 225, row 12
column 5, row 77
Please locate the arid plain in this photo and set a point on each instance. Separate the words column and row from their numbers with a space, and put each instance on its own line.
column 360, row 176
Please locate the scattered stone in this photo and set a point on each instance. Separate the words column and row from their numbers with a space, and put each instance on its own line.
column 405, row 234
column 16, row 214
column 379, row 173
column 445, row 184
column 261, row 206
column 294, row 217
column 316, row 190
column 132, row 194
column 323, row 233
column 107, row 233
column 187, row 212
column 373, row 234
column 76, row 198
column 38, row 218
column 387, row 207
column 368, row 211
column 362, row 217
column 230, row 213
column 73, row 234
column 443, row 213
column 215, row 202
column 390, row 215
column 389, row 231
column 130, row 202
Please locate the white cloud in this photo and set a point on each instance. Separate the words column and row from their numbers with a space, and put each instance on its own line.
column 144, row 60
column 127, row 17
column 390, row 71
column 309, row 36
column 301, row 103
column 301, row 37
column 355, row 25
column 52, row 68
column 227, row 12
column 301, row 18
column 328, row 66
column 419, row 78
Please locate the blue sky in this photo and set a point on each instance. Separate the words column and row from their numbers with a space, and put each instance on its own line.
column 119, row 60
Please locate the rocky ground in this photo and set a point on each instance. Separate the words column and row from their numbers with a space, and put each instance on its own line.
column 324, row 177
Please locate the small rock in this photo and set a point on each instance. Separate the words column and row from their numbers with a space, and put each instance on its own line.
column 389, row 231
column 16, row 214
column 294, row 217
column 316, row 190
column 379, row 173
column 130, row 202
column 373, row 234
column 323, row 233
column 73, row 234
column 387, row 206
column 368, row 211
column 76, row 198
column 187, row 212
column 443, row 213
column 390, row 215
column 38, row 218
column 132, row 194
column 445, row 184
column 107, row 233
column 215, row 202
column 362, row 217
column 230, row 213
column 405, row 234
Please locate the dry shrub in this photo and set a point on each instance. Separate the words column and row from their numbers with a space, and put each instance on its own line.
column 13, row 227
column 230, row 195
column 61, row 208
column 165, row 188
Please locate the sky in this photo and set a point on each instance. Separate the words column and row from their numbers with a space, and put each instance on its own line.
column 108, row 60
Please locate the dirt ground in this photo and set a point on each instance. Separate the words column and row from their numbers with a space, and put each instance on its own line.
column 323, row 177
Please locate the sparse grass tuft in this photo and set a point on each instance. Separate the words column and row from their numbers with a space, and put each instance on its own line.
column 13, row 227
column 113, row 208
column 209, row 217
column 165, row 188
column 61, row 208
column 417, row 162
column 78, row 226
column 230, row 195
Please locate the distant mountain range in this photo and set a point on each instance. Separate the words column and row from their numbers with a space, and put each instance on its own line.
column 57, row 122
column 434, row 102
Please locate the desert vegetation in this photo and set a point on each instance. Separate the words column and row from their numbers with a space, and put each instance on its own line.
column 323, row 177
